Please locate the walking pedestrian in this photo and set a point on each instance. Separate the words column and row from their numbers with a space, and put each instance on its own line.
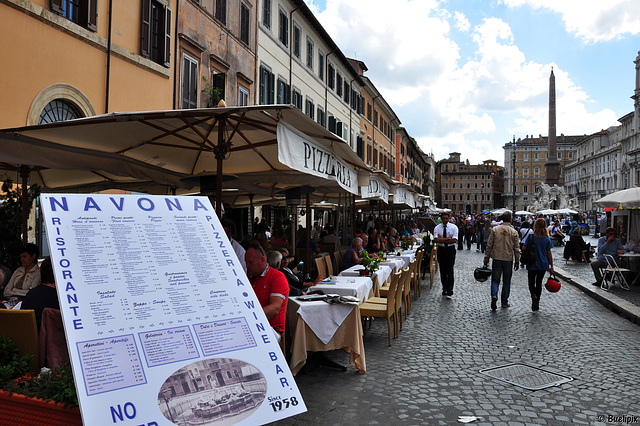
column 461, row 232
column 446, row 236
column 542, row 245
column 504, row 249
column 486, row 233
column 480, row 231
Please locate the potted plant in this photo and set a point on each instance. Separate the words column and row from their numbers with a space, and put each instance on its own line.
column 47, row 398
column 371, row 263
column 405, row 243
column 214, row 93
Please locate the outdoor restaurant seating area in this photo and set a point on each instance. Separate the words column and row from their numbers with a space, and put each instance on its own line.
column 353, row 301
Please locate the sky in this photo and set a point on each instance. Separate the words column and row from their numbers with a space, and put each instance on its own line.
column 468, row 76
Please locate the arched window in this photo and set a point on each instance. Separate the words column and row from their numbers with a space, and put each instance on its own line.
column 59, row 110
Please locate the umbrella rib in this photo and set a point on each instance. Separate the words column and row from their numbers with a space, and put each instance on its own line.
column 154, row 140
column 255, row 145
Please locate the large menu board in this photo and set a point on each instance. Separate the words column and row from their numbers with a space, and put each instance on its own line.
column 162, row 324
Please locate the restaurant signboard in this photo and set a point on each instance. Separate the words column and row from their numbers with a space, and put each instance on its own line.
column 301, row 153
column 376, row 189
column 162, row 324
column 403, row 196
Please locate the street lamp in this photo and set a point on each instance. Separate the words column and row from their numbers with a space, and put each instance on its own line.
column 513, row 168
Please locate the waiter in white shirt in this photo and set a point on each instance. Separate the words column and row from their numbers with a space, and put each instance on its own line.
column 446, row 236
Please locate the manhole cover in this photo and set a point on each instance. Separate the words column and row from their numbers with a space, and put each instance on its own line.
column 525, row 376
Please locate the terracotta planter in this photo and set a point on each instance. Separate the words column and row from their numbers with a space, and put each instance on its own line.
column 21, row 410
column 364, row 272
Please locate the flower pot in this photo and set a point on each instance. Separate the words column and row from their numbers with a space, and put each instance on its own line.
column 22, row 410
column 364, row 272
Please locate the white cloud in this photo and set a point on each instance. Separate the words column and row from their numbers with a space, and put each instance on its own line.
column 592, row 20
column 447, row 103
column 462, row 23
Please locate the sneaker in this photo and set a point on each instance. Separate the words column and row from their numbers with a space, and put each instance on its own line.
column 506, row 305
column 449, row 296
column 535, row 305
column 494, row 303
column 478, row 250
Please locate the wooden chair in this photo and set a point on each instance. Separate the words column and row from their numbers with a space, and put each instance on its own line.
column 20, row 327
column 382, row 299
column 370, row 310
column 404, row 278
column 329, row 263
column 321, row 267
column 433, row 265
column 337, row 261
column 406, row 294
column 415, row 275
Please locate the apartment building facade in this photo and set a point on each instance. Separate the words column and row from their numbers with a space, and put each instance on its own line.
column 524, row 166
column 298, row 63
column 468, row 188
column 85, row 58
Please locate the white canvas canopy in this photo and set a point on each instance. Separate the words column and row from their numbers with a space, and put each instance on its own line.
column 259, row 149
column 628, row 198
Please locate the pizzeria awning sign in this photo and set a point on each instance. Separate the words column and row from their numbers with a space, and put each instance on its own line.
column 305, row 155
column 162, row 325
column 402, row 196
column 376, row 189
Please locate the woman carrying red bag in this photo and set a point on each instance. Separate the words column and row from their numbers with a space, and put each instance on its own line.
column 542, row 245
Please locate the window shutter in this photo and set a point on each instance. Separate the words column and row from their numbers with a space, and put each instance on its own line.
column 244, row 24
column 145, row 29
column 92, row 15
column 272, row 88
column 263, row 85
column 339, row 128
column 287, row 94
column 167, row 38
column 332, row 124
column 56, row 6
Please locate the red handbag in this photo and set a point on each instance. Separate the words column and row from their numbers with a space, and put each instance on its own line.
column 552, row 284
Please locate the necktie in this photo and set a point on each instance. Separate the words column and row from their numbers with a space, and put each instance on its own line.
column 444, row 231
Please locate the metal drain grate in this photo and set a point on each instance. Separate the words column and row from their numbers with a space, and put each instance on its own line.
column 525, row 376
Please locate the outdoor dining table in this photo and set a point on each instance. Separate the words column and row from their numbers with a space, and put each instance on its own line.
column 382, row 276
column 395, row 263
column 406, row 255
column 317, row 326
column 631, row 263
column 359, row 287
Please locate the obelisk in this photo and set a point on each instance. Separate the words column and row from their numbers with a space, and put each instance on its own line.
column 552, row 167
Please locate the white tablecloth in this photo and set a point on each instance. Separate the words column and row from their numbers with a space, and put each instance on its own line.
column 407, row 256
column 395, row 263
column 383, row 273
column 323, row 318
column 347, row 286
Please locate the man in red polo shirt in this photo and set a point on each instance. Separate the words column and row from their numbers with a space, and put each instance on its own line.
column 269, row 284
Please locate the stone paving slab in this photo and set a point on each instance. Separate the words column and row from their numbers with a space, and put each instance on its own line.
column 431, row 372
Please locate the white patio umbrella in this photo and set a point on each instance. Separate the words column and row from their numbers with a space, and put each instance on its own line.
column 500, row 211
column 272, row 147
column 566, row 211
column 628, row 198
column 524, row 213
column 547, row 211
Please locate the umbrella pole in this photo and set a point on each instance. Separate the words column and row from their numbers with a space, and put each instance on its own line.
column 24, row 174
column 220, row 152
column 308, row 207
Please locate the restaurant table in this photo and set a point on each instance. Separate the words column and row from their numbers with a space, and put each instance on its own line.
column 407, row 256
column 317, row 326
column 631, row 261
column 383, row 273
column 394, row 263
column 359, row 287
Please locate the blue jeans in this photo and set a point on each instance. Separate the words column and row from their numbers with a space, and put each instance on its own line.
column 504, row 269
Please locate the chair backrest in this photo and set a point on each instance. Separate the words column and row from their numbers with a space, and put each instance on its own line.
column 338, row 261
column 419, row 256
column 391, row 296
column 611, row 261
column 20, row 327
column 405, row 276
column 412, row 269
column 329, row 263
column 321, row 266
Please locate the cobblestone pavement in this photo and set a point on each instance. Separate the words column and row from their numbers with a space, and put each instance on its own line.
column 431, row 372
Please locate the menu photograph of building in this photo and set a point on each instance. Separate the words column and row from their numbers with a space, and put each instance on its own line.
column 162, row 324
